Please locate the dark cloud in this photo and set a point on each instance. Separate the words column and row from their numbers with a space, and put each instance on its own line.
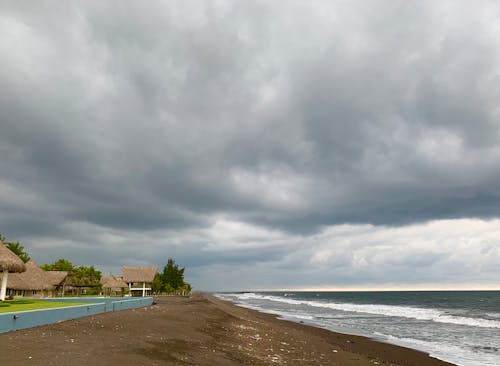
column 160, row 118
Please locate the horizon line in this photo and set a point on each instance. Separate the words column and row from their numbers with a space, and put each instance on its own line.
column 372, row 289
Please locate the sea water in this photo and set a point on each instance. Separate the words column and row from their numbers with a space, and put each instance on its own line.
column 461, row 327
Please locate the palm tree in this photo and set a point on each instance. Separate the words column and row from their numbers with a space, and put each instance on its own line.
column 18, row 250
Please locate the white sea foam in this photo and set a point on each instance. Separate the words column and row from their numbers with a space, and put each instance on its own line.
column 461, row 356
column 290, row 315
column 464, row 345
column 434, row 315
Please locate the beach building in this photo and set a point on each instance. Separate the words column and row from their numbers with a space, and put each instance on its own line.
column 32, row 283
column 139, row 279
column 17, row 286
column 9, row 262
column 113, row 285
column 35, row 282
column 58, row 280
column 78, row 287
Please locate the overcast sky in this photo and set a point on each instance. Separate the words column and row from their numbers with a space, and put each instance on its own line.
column 261, row 144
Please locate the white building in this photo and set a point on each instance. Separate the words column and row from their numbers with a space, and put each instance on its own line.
column 139, row 279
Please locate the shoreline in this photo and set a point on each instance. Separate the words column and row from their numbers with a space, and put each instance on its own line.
column 372, row 348
column 199, row 330
column 345, row 332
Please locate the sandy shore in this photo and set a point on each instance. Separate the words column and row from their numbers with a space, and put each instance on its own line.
column 200, row 330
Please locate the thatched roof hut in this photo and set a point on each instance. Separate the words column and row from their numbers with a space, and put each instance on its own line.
column 33, row 279
column 144, row 274
column 113, row 283
column 135, row 276
column 57, row 278
column 9, row 262
column 16, row 282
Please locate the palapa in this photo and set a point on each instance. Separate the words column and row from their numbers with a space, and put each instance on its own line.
column 139, row 274
column 9, row 262
column 17, row 283
column 134, row 276
column 33, row 279
column 113, row 283
column 57, row 278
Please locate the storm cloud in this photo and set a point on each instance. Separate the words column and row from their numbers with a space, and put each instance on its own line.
column 244, row 136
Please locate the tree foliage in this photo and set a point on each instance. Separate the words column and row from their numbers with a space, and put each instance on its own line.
column 16, row 248
column 171, row 279
column 79, row 276
column 59, row 265
column 173, row 275
column 157, row 286
column 85, row 276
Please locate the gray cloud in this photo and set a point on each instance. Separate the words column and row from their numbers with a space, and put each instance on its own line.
column 169, row 119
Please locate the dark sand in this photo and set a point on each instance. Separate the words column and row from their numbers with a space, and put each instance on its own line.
column 199, row 330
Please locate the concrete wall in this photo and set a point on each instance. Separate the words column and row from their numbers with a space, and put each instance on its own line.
column 33, row 318
column 111, row 303
column 132, row 303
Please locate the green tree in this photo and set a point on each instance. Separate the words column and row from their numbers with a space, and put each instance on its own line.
column 16, row 248
column 157, row 286
column 81, row 276
column 185, row 289
column 85, row 276
column 168, row 289
column 172, row 275
column 59, row 265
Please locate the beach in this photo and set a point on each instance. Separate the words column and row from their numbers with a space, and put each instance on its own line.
column 196, row 330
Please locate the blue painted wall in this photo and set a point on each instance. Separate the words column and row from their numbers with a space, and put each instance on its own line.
column 128, row 302
column 138, row 302
column 33, row 318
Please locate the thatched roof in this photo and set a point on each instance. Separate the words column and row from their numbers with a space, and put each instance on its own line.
column 56, row 278
column 15, row 282
column 113, row 282
column 34, row 278
column 139, row 274
column 9, row 261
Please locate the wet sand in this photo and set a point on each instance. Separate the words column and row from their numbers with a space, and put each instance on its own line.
column 199, row 330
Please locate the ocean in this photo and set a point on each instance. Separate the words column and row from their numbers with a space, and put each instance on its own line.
column 461, row 327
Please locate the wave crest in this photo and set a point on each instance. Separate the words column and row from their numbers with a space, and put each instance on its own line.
column 438, row 316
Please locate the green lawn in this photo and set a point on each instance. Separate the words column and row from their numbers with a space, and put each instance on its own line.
column 28, row 304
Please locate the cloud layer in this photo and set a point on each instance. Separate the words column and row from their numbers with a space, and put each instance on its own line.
column 234, row 135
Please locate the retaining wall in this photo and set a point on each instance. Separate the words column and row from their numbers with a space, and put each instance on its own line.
column 111, row 303
column 32, row 318
column 133, row 303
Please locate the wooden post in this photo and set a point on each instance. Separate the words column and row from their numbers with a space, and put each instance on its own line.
column 143, row 289
column 4, row 284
